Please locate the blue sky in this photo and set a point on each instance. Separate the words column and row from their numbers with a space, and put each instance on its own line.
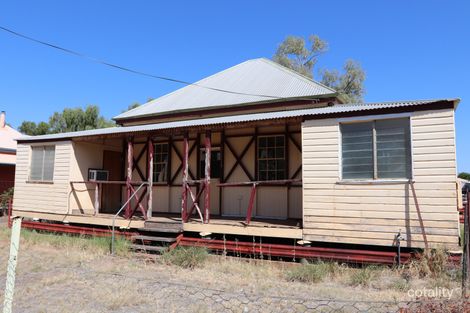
column 409, row 49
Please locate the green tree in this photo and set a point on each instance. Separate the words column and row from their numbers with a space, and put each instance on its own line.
column 302, row 56
column 464, row 175
column 68, row 120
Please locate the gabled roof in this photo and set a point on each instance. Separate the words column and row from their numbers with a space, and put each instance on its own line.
column 8, row 136
column 241, row 118
column 253, row 81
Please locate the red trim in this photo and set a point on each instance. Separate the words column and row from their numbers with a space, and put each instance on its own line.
column 242, row 108
column 70, row 229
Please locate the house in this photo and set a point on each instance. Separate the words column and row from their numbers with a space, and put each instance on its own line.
column 256, row 150
column 8, row 135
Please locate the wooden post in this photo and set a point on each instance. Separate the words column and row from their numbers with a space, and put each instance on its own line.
column 97, row 198
column 12, row 261
column 130, row 159
column 149, row 177
column 207, row 178
column 249, row 211
column 184, row 195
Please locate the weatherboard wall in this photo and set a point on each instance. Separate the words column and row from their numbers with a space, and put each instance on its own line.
column 373, row 213
column 50, row 197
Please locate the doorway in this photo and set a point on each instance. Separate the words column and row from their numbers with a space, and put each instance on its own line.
column 112, row 193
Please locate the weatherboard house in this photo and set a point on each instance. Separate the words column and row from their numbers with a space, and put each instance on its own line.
column 255, row 152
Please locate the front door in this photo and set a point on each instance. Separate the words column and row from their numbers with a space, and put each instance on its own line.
column 111, row 194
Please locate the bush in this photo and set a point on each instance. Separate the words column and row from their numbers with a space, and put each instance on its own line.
column 186, row 257
column 432, row 262
column 5, row 197
column 311, row 273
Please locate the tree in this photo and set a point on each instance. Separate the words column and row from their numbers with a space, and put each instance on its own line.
column 302, row 56
column 67, row 121
column 464, row 175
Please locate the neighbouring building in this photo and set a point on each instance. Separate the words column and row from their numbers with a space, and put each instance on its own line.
column 8, row 137
column 256, row 150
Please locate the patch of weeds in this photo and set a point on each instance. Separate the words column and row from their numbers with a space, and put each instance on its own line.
column 432, row 263
column 400, row 284
column 186, row 257
column 363, row 276
column 311, row 273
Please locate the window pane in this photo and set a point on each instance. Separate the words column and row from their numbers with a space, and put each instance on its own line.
column 357, row 151
column 37, row 159
column 271, row 157
column 393, row 148
column 160, row 161
column 49, row 155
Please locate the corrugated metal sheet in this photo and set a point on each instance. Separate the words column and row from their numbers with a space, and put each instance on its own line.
column 339, row 108
column 269, row 80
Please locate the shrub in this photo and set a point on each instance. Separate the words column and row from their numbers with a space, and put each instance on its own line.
column 5, row 197
column 311, row 273
column 186, row 257
column 432, row 262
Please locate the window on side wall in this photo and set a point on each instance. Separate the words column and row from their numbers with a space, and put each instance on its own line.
column 379, row 149
column 271, row 157
column 160, row 162
column 42, row 163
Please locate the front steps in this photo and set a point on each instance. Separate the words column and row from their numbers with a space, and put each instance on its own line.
column 156, row 237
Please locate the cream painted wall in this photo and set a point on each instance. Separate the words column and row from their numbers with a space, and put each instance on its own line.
column 38, row 196
column 374, row 213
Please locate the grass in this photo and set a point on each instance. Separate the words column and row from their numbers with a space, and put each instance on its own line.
column 186, row 257
column 363, row 276
column 99, row 245
column 312, row 272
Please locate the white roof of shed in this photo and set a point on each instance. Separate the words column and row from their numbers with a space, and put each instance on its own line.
column 224, row 120
column 253, row 81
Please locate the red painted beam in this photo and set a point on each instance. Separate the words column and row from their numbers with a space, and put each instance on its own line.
column 333, row 254
column 71, row 229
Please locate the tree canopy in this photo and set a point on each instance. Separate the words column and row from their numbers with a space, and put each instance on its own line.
column 464, row 175
column 70, row 119
column 302, row 56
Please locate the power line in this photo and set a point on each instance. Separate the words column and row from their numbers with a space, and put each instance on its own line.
column 126, row 69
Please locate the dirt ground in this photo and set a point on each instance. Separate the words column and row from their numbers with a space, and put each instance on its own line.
column 56, row 275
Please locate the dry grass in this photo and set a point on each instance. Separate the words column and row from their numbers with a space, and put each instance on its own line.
column 77, row 274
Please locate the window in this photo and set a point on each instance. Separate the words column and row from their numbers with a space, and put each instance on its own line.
column 42, row 163
column 271, row 157
column 160, row 162
column 376, row 150
column 216, row 163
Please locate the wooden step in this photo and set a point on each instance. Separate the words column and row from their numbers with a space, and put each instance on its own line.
column 148, row 248
column 175, row 230
column 153, row 238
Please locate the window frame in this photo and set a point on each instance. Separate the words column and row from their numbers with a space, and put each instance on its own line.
column 43, row 149
column 166, row 163
column 373, row 118
column 202, row 161
column 258, row 159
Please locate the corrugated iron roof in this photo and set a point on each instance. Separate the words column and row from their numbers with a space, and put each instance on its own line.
column 253, row 81
column 223, row 120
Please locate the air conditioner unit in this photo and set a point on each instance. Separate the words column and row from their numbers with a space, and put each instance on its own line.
column 98, row 175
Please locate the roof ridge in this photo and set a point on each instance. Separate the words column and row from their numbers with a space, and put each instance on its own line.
column 295, row 73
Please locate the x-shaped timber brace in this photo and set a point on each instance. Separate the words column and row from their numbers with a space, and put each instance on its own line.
column 133, row 164
column 204, row 183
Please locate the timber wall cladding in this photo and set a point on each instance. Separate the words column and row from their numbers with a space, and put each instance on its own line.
column 374, row 213
column 43, row 197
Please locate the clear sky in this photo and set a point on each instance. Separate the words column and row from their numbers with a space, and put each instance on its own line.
column 409, row 49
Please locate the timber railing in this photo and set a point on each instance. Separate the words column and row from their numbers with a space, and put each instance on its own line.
column 254, row 184
column 98, row 187
column 119, row 212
